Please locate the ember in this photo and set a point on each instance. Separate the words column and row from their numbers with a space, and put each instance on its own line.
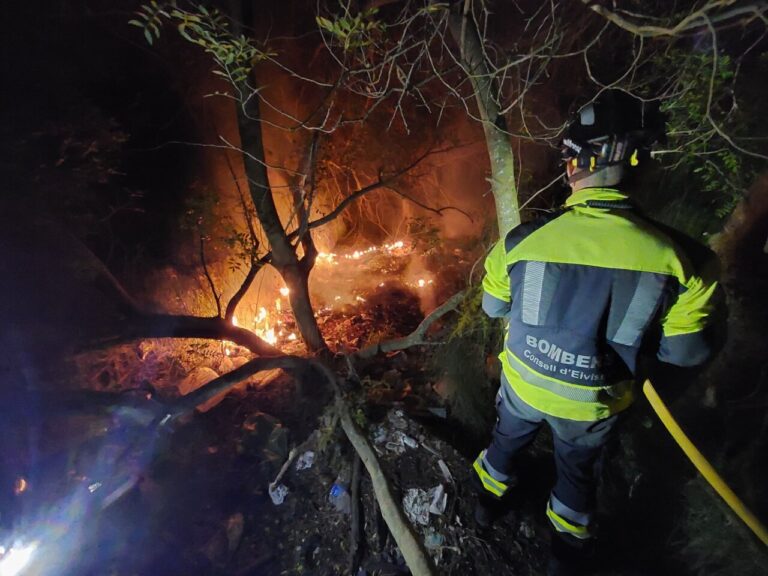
column 20, row 486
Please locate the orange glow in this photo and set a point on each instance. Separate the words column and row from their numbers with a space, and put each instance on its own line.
column 20, row 486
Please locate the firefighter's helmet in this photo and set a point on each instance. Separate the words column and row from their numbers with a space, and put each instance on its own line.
column 615, row 128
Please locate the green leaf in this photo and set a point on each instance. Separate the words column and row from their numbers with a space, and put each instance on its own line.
column 324, row 23
column 148, row 36
column 135, row 23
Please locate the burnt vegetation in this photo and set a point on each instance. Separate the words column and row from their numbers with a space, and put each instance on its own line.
column 236, row 233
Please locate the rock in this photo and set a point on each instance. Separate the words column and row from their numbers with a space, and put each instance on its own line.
column 226, row 365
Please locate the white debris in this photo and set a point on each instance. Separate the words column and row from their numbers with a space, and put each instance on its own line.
column 445, row 471
column 397, row 419
column 438, row 499
column 305, row 461
column 278, row 493
column 416, row 504
column 526, row 530
column 379, row 435
column 408, row 441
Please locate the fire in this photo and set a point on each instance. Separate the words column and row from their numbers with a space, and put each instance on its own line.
column 397, row 248
column 20, row 486
column 343, row 288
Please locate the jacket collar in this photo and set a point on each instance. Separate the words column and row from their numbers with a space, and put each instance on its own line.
column 600, row 194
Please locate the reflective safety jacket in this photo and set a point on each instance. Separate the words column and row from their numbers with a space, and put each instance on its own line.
column 580, row 292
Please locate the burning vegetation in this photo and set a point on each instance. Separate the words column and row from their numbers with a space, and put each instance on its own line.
column 241, row 325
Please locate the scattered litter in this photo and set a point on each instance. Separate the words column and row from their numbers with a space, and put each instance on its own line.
column 433, row 540
column 408, row 441
column 439, row 412
column 416, row 503
column 379, row 435
column 395, row 447
column 397, row 419
column 438, row 500
column 339, row 497
column 305, row 461
column 431, row 450
column 278, row 493
column 445, row 470
column 526, row 530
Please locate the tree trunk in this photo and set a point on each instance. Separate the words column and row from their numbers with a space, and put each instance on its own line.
column 284, row 257
column 502, row 159
column 297, row 279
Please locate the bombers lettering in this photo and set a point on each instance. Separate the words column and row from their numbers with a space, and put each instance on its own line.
column 557, row 354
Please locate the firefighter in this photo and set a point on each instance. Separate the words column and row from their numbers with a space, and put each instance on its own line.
column 581, row 291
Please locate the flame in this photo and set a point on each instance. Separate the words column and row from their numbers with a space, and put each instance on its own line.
column 20, row 486
column 397, row 248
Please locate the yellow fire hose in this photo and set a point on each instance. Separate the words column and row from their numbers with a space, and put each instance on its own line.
column 703, row 465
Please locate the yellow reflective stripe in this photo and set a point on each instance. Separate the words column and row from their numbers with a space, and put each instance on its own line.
column 555, row 405
column 575, row 392
column 563, row 525
column 489, row 482
column 496, row 281
column 606, row 240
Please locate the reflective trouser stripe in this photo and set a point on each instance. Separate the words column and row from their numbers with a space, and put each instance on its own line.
column 491, row 484
column 562, row 524
column 569, row 391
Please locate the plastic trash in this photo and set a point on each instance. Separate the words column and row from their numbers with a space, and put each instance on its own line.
column 380, row 435
column 416, row 504
column 339, row 497
column 305, row 461
column 438, row 500
column 433, row 540
column 445, row 470
column 439, row 412
column 397, row 420
column 278, row 493
column 410, row 442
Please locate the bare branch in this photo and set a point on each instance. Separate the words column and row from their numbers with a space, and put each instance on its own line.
column 696, row 19
column 211, row 284
column 415, row 338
